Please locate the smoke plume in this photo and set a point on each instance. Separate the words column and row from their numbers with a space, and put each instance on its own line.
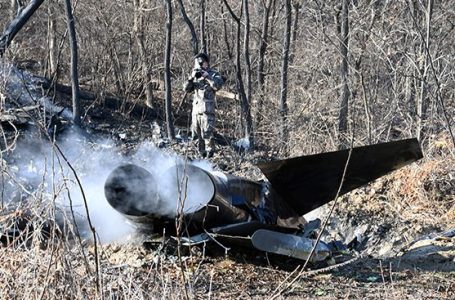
column 37, row 168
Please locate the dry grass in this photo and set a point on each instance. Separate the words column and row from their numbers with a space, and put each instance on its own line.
column 426, row 191
column 45, row 262
column 42, row 261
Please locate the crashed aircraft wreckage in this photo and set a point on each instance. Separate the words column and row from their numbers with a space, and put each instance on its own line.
column 265, row 215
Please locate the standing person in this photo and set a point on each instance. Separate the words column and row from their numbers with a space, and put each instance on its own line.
column 204, row 82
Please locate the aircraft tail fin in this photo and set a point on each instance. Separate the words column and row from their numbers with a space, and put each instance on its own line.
column 308, row 182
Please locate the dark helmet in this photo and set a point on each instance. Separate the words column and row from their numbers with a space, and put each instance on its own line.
column 201, row 57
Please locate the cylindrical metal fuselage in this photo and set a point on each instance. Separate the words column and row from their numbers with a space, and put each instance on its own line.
column 205, row 199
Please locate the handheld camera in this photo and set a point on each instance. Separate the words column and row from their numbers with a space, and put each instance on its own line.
column 198, row 73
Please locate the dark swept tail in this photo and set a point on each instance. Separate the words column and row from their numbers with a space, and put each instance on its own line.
column 308, row 182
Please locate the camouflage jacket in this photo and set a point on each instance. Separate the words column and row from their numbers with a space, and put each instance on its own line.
column 204, row 92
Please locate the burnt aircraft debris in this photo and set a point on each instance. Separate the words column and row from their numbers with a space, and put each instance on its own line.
column 236, row 211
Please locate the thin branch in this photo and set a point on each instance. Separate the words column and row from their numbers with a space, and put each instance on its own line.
column 302, row 270
column 436, row 79
column 234, row 16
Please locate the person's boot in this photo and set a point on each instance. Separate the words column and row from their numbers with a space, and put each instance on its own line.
column 210, row 146
column 201, row 147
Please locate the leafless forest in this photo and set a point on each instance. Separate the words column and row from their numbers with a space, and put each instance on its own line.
column 375, row 70
column 301, row 77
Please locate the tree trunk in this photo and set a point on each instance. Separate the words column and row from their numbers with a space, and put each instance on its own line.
column 139, row 30
column 284, row 134
column 273, row 19
column 246, row 48
column 13, row 9
column 202, row 28
column 167, row 72
column 366, row 106
column 366, row 94
column 295, row 26
column 244, row 101
column 194, row 40
column 52, row 42
column 344, row 72
column 17, row 23
column 74, row 73
column 261, row 58
column 422, row 102
column 226, row 39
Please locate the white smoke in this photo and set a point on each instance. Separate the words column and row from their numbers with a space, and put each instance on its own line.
column 178, row 192
column 36, row 164
column 184, row 189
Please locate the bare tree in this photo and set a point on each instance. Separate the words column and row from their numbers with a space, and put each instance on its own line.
column 226, row 38
column 344, row 72
column 15, row 8
column 202, row 27
column 139, row 31
column 52, row 39
column 421, row 101
column 261, row 58
column 194, row 39
column 244, row 101
column 360, row 72
column 74, row 72
column 284, row 75
column 167, row 71
column 397, row 69
column 295, row 25
column 246, row 48
column 17, row 23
